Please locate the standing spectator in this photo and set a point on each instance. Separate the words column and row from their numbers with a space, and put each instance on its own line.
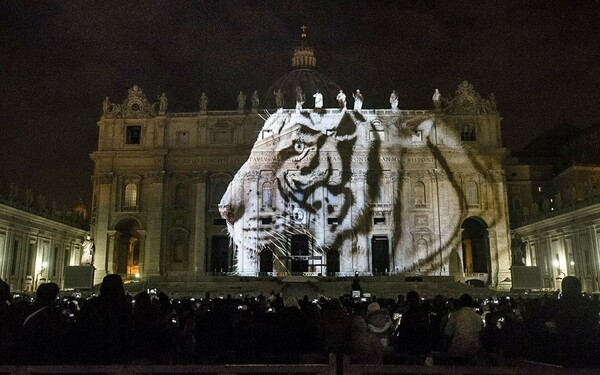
column 7, row 325
column 574, row 327
column 106, row 324
column 414, row 332
column 464, row 329
column 336, row 328
column 44, row 333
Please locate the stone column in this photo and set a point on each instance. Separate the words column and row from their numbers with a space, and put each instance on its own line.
column 248, row 260
column 355, row 256
column 154, row 260
column 111, row 250
column 142, row 240
column 104, row 203
column 198, row 235
column 502, row 234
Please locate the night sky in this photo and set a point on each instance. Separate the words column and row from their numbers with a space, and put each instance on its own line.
column 59, row 60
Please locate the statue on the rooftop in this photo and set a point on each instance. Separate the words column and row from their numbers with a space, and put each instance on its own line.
column 163, row 102
column 41, row 202
column 28, row 198
column 255, row 101
column 279, row 102
column 341, row 99
column 358, row 100
column 105, row 106
column 203, row 102
column 318, row 100
column 241, row 100
column 13, row 192
column 437, row 100
column 394, row 100
column 493, row 104
column 299, row 98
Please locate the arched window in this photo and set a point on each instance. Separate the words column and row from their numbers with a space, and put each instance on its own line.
column 220, row 189
column 467, row 133
column 267, row 195
column 381, row 196
column 181, row 196
column 472, row 194
column 178, row 250
column 130, row 200
column 332, row 199
column 419, row 194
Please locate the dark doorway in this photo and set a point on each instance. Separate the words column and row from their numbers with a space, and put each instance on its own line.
column 266, row 261
column 333, row 261
column 127, row 248
column 300, row 253
column 475, row 246
column 219, row 254
column 380, row 253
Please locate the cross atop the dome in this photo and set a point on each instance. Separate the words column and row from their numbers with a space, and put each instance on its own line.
column 303, row 33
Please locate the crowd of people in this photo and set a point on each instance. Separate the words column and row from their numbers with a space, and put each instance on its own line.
column 151, row 328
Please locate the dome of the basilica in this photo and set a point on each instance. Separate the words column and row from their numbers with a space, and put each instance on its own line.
column 305, row 76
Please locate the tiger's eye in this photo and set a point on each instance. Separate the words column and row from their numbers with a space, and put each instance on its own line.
column 299, row 147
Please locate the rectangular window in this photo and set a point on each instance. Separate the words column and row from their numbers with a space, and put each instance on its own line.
column 467, row 133
column 379, row 220
column 133, row 135
column 266, row 220
column 332, row 221
column 182, row 138
column 417, row 136
column 130, row 198
column 221, row 136
column 377, row 135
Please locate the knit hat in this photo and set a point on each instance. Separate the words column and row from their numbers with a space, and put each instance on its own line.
column 373, row 306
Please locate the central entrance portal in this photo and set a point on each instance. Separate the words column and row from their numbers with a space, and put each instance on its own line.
column 380, row 254
column 127, row 248
column 299, row 252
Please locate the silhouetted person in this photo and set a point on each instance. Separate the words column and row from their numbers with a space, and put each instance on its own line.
column 44, row 333
column 364, row 346
column 336, row 327
column 574, row 327
column 7, row 326
column 146, row 339
column 106, row 324
column 414, row 332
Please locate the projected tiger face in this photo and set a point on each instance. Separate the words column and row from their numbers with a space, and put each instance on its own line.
column 317, row 182
column 298, row 166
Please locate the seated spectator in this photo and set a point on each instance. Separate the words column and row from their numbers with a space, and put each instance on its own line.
column 379, row 322
column 464, row 329
column 364, row 346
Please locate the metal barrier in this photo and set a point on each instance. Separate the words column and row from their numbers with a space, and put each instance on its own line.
column 330, row 368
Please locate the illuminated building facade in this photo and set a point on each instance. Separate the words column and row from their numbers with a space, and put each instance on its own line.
column 554, row 202
column 36, row 245
column 294, row 190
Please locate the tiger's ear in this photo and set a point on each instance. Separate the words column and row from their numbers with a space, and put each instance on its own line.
column 347, row 126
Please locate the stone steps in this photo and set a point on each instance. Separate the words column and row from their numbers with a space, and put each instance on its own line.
column 312, row 287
